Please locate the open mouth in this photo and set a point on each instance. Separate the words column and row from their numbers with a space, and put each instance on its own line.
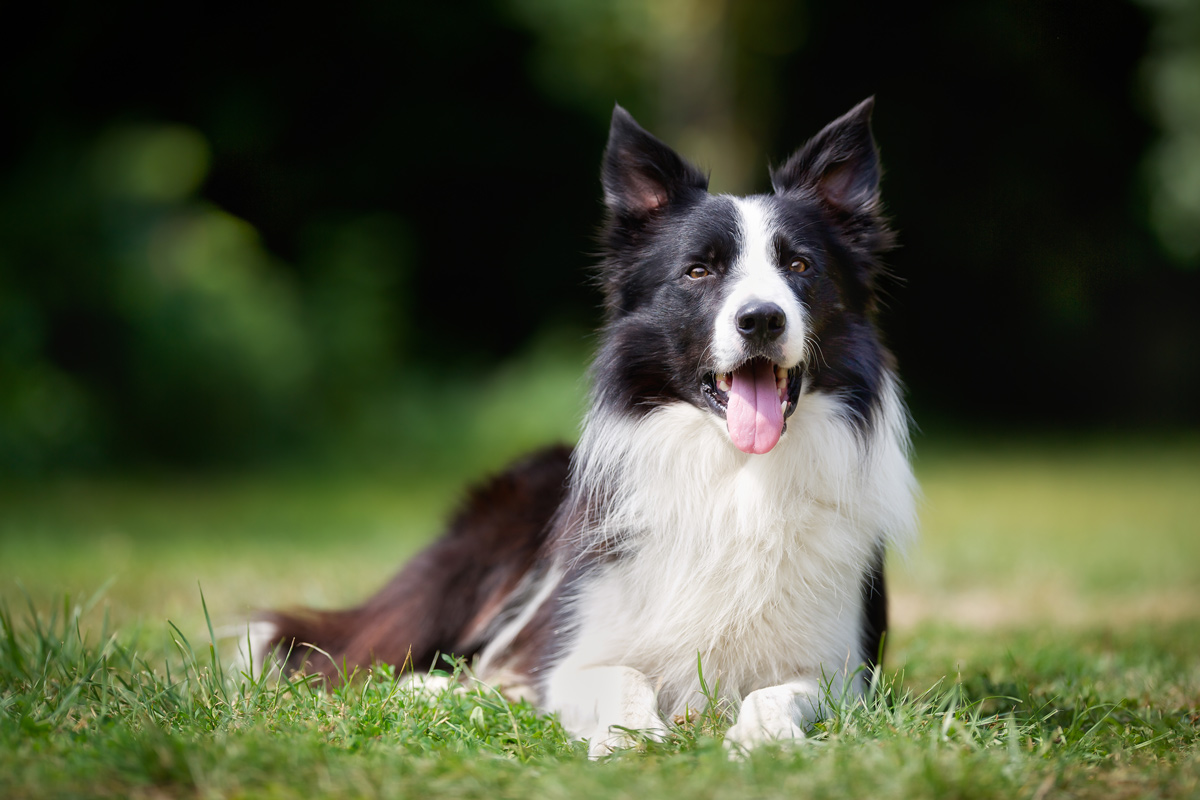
column 755, row 398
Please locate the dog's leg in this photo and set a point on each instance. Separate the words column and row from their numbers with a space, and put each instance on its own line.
column 777, row 713
column 604, row 705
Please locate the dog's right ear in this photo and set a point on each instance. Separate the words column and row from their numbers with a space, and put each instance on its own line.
column 641, row 175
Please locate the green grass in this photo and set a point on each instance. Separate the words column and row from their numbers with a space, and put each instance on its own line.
column 1045, row 645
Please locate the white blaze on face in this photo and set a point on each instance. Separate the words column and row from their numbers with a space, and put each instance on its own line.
column 757, row 278
column 754, row 411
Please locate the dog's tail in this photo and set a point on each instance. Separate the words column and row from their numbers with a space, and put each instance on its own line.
column 444, row 599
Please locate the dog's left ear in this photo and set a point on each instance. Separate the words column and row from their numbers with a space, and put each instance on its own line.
column 840, row 164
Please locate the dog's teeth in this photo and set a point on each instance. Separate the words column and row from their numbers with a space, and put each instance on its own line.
column 783, row 407
column 780, row 373
column 723, row 383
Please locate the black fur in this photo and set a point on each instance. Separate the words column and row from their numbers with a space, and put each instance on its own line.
column 661, row 220
column 875, row 613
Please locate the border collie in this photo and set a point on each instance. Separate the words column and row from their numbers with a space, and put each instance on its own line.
column 742, row 468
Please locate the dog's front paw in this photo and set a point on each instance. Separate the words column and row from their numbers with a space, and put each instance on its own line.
column 626, row 710
column 773, row 714
column 624, row 735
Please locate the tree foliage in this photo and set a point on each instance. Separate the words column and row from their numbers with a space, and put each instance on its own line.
column 225, row 239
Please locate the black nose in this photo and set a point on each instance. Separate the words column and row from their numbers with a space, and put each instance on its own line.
column 761, row 322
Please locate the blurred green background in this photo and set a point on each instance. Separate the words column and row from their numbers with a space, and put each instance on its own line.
column 273, row 285
column 276, row 285
column 241, row 237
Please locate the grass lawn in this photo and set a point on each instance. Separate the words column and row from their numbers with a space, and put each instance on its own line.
column 1044, row 644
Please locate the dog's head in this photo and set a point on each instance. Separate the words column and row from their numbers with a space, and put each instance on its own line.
column 735, row 304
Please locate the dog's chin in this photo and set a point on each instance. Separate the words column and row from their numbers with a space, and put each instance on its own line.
column 716, row 386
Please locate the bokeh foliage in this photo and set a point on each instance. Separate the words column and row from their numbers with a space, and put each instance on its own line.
column 256, row 233
column 1171, row 74
column 143, row 318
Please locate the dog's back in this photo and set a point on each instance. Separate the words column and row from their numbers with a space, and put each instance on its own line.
column 448, row 596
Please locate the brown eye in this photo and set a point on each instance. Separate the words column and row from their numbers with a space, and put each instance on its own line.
column 798, row 265
column 697, row 272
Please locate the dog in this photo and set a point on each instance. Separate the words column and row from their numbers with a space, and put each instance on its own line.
column 742, row 468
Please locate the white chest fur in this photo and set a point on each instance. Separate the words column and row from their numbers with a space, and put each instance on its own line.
column 753, row 564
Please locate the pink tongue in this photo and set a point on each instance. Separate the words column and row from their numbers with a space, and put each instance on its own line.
column 754, row 416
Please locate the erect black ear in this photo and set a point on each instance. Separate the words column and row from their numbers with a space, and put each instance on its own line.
column 840, row 164
column 641, row 174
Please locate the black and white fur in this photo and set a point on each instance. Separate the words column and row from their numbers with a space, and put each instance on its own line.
column 593, row 581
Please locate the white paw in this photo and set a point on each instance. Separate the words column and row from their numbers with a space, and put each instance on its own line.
column 626, row 708
column 773, row 714
column 255, row 653
column 624, row 734
column 432, row 686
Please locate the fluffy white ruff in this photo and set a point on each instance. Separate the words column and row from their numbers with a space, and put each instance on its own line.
column 752, row 563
